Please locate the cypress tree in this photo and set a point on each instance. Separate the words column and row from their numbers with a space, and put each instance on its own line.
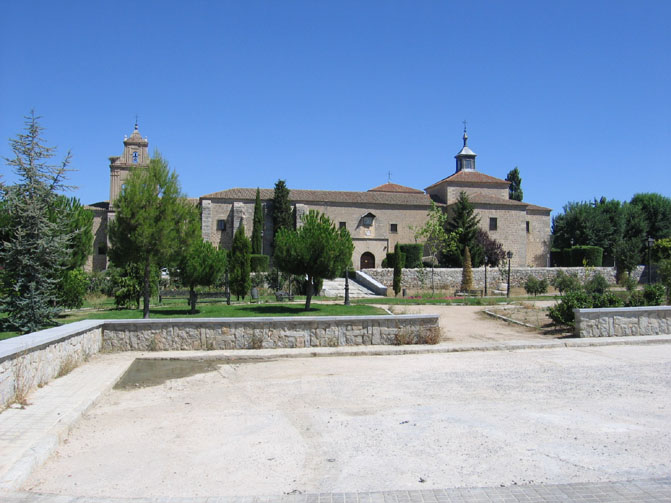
column 397, row 269
column 282, row 215
column 467, row 272
column 257, row 229
column 240, row 263
column 515, row 188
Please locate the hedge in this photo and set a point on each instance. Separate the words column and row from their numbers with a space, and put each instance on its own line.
column 390, row 260
column 259, row 263
column 556, row 257
column 590, row 255
column 413, row 255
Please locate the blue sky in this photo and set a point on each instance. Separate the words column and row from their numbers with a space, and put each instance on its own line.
column 334, row 95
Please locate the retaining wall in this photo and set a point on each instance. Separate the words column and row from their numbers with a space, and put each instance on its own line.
column 623, row 321
column 34, row 359
column 445, row 278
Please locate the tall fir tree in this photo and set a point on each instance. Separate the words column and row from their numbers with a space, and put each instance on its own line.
column 515, row 189
column 282, row 215
column 465, row 222
column 240, row 263
column 467, row 272
column 153, row 223
column 257, row 228
column 35, row 249
column 398, row 271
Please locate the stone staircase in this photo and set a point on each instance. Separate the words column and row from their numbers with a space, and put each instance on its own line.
column 336, row 288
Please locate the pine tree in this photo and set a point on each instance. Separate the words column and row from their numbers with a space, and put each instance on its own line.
column 465, row 222
column 257, row 229
column 397, row 269
column 240, row 263
column 515, row 188
column 35, row 247
column 153, row 222
column 282, row 216
column 467, row 272
column 201, row 264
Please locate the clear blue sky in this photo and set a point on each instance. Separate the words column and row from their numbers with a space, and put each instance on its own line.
column 334, row 95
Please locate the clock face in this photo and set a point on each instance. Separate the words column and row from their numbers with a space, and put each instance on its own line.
column 134, row 157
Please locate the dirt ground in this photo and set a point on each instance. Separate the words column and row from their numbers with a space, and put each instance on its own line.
column 468, row 324
column 377, row 423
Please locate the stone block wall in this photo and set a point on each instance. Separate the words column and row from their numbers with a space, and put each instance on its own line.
column 266, row 333
column 623, row 321
column 448, row 279
column 32, row 360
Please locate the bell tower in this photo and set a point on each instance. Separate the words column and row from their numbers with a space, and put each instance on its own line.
column 135, row 154
column 466, row 157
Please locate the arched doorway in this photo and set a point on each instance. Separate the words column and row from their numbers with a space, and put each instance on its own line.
column 367, row 260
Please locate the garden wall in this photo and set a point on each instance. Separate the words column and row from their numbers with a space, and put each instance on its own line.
column 34, row 359
column 451, row 278
column 623, row 321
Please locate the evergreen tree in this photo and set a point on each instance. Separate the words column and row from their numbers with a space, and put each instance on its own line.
column 397, row 269
column 316, row 249
column 467, row 272
column 465, row 222
column 35, row 237
column 282, row 216
column 515, row 188
column 240, row 263
column 153, row 222
column 257, row 229
column 201, row 264
column 656, row 209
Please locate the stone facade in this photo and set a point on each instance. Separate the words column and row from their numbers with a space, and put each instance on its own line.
column 377, row 219
column 623, row 321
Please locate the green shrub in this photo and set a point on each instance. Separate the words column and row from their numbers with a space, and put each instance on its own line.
column 390, row 260
column 259, row 263
column 635, row 299
column 562, row 312
column 72, row 289
column 556, row 258
column 597, row 284
column 607, row 299
column 534, row 286
column 565, row 282
column 413, row 255
column 98, row 282
column 654, row 294
column 586, row 255
column 628, row 282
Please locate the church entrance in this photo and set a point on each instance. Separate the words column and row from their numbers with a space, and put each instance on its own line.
column 367, row 261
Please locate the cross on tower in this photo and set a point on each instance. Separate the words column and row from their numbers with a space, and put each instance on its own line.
column 465, row 126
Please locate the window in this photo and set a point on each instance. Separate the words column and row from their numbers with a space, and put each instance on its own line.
column 342, row 225
column 367, row 219
column 221, row 225
column 468, row 163
column 493, row 223
column 393, row 228
column 528, row 227
column 102, row 249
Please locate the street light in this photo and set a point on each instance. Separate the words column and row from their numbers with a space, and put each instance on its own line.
column 347, row 286
column 486, row 259
column 650, row 242
column 510, row 256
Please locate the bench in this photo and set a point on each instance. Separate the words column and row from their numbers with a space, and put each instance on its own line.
column 469, row 293
column 280, row 296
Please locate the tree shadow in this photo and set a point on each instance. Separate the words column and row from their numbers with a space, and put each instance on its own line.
column 275, row 309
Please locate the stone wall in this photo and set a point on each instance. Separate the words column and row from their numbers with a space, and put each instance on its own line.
column 451, row 278
column 34, row 359
column 623, row 321
column 266, row 333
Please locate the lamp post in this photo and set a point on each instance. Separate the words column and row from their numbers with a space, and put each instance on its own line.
column 347, row 286
column 486, row 259
column 510, row 256
column 650, row 241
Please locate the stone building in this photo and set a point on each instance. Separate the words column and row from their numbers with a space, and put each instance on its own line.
column 377, row 219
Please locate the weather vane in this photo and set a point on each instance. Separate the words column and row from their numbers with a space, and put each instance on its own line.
column 388, row 176
column 465, row 126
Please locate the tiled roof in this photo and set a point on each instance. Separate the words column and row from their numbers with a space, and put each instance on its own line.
column 480, row 198
column 468, row 176
column 538, row 208
column 324, row 196
column 394, row 187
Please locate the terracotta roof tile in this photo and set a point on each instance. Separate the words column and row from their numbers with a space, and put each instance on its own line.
column 467, row 176
column 393, row 187
column 324, row 196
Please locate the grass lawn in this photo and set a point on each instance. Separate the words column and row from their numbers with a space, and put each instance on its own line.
column 173, row 308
